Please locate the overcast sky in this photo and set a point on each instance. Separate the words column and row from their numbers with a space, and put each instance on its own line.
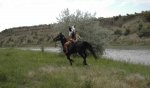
column 14, row 13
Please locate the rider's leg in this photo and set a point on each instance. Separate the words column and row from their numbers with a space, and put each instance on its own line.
column 66, row 46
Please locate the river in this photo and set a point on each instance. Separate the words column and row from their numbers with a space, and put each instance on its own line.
column 132, row 55
column 141, row 56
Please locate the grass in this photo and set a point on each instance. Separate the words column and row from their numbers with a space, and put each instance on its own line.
column 30, row 69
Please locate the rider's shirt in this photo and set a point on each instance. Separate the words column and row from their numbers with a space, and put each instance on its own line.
column 73, row 29
column 70, row 33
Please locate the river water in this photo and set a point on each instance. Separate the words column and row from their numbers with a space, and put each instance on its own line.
column 132, row 55
column 141, row 56
column 47, row 49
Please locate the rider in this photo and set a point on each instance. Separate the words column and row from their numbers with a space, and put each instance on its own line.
column 75, row 34
column 72, row 38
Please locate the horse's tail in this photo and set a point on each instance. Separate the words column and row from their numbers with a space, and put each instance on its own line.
column 90, row 48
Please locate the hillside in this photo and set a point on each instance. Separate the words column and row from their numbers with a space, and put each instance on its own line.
column 132, row 29
column 26, row 36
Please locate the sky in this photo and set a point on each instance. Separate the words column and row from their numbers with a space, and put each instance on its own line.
column 15, row 13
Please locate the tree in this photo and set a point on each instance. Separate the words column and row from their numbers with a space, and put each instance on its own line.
column 86, row 26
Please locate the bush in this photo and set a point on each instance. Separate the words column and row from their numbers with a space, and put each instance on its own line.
column 147, row 16
column 140, row 26
column 116, row 18
column 118, row 32
column 88, row 29
column 145, row 32
column 127, row 32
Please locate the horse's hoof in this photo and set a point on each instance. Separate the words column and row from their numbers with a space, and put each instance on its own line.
column 85, row 64
column 72, row 60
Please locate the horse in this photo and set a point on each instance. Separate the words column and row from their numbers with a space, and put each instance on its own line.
column 79, row 47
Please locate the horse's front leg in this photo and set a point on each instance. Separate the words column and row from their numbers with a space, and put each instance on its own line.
column 70, row 60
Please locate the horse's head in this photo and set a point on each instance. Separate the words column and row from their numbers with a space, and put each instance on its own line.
column 59, row 37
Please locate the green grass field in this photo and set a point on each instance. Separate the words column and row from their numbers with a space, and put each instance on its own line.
column 30, row 69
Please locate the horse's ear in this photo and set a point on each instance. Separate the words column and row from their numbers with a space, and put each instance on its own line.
column 60, row 33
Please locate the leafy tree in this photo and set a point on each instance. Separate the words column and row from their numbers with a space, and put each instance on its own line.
column 86, row 26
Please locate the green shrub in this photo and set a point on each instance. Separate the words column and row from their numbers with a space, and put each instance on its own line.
column 127, row 32
column 118, row 32
column 147, row 16
column 145, row 32
column 140, row 26
column 116, row 18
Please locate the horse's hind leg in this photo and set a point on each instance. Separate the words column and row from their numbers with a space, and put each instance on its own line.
column 84, row 62
column 83, row 55
column 68, row 57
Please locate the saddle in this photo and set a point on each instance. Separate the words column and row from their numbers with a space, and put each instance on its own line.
column 69, row 44
column 70, row 41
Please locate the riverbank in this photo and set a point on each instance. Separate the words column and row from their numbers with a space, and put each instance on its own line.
column 34, row 69
column 130, row 54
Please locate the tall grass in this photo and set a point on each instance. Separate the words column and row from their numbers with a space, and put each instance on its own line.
column 30, row 69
